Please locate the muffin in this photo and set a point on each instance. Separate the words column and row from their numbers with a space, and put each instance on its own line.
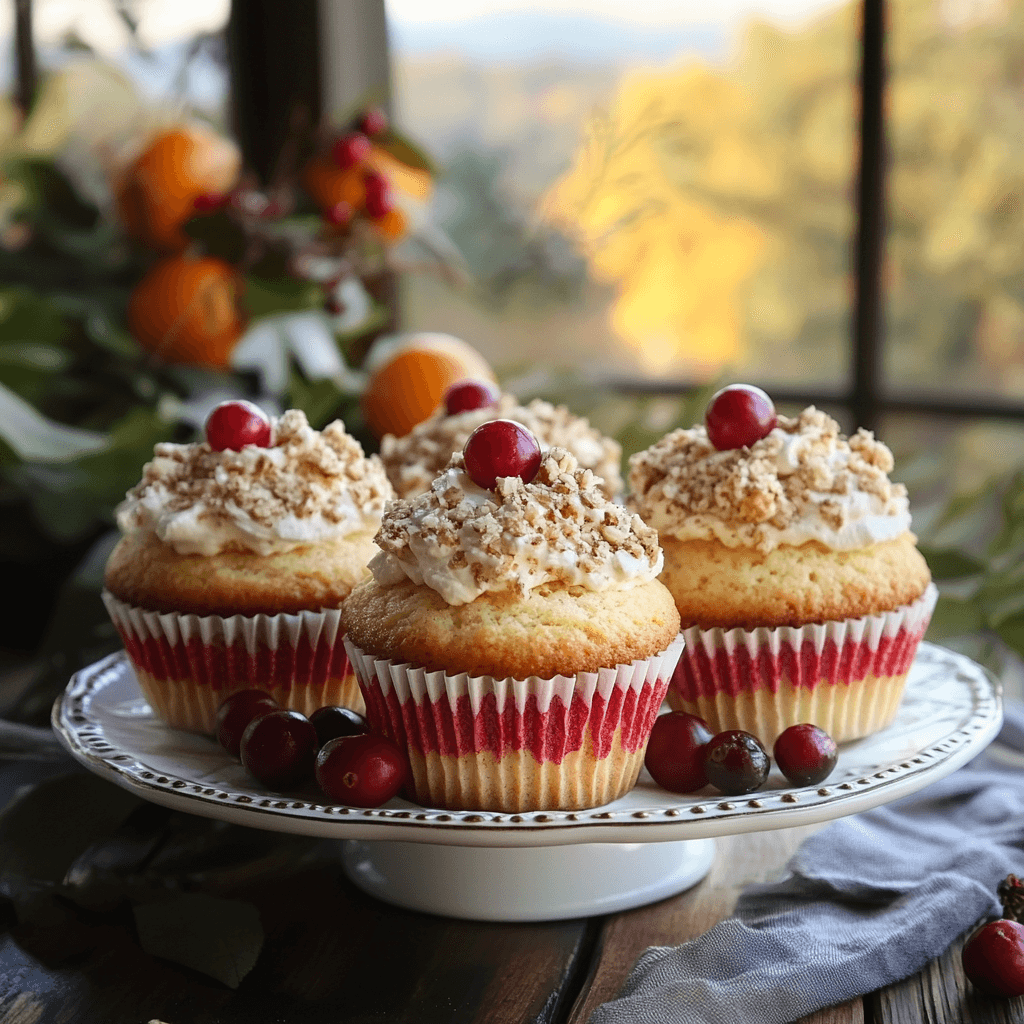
column 515, row 640
column 800, row 588
column 412, row 461
column 233, row 566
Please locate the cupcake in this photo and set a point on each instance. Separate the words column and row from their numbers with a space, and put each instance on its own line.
column 236, row 555
column 514, row 638
column 788, row 552
column 412, row 461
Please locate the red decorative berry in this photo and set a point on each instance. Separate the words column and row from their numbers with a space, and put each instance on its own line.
column 235, row 714
column 334, row 306
column 331, row 722
column 501, row 448
column 210, row 202
column 805, row 754
column 233, row 425
column 466, row 395
column 351, row 149
column 379, row 200
column 364, row 771
column 675, row 752
column 993, row 958
column 736, row 762
column 339, row 215
column 279, row 748
column 373, row 122
column 738, row 416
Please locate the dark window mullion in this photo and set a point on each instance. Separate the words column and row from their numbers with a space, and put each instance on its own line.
column 869, row 251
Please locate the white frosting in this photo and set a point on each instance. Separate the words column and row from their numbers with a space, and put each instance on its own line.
column 462, row 540
column 802, row 482
column 309, row 487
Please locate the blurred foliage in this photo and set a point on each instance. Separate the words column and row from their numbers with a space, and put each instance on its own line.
column 718, row 199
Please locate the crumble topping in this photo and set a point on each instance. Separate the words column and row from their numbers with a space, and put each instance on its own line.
column 463, row 540
column 803, row 481
column 308, row 486
column 414, row 460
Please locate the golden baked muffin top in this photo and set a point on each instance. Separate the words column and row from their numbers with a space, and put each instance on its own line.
column 463, row 540
column 308, row 487
column 414, row 460
column 804, row 481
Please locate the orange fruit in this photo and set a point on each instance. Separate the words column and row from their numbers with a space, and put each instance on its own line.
column 188, row 311
column 329, row 185
column 413, row 182
column 409, row 376
column 156, row 194
column 391, row 227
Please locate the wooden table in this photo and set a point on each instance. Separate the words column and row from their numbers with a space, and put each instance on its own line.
column 332, row 954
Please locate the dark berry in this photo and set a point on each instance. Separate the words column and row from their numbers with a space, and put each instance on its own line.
column 210, row 202
column 339, row 215
column 805, row 754
column 675, row 752
column 993, row 958
column 501, row 448
column 364, row 771
column 373, row 122
column 233, row 425
column 466, row 395
column 279, row 748
column 235, row 714
column 331, row 722
column 378, row 198
column 738, row 416
column 351, row 149
column 333, row 306
column 736, row 762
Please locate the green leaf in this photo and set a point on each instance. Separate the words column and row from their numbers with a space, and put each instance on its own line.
column 949, row 563
column 51, row 192
column 24, row 314
column 319, row 400
column 220, row 234
column 1011, row 632
column 221, row 938
column 954, row 617
column 405, row 150
column 266, row 296
column 43, row 831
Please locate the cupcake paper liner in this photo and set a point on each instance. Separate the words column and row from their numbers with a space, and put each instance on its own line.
column 187, row 665
column 476, row 742
column 846, row 676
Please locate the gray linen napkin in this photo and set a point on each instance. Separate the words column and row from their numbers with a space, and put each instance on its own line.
column 870, row 900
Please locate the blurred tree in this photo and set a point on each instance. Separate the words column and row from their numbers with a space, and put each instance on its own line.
column 719, row 200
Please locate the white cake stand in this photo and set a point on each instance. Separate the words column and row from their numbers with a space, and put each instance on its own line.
column 538, row 865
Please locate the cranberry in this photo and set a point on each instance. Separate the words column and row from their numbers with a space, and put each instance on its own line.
column 373, row 122
column 364, row 771
column 351, row 149
column 738, row 416
column 736, row 762
column 331, row 722
column 501, row 448
column 339, row 215
column 466, row 395
column 210, row 201
column 237, row 712
column 675, row 752
column 805, row 754
column 379, row 200
column 233, row 425
column 279, row 748
column 993, row 958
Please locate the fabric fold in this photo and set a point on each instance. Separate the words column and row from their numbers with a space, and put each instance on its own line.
column 869, row 900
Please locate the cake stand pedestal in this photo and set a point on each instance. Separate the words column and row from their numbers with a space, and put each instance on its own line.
column 538, row 865
column 542, row 883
